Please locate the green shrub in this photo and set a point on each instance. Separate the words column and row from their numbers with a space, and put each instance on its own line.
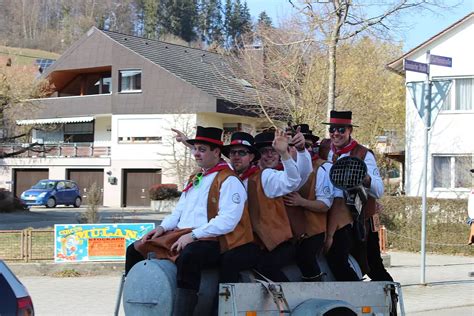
column 446, row 228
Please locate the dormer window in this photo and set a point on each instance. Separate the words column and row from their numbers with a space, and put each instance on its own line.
column 130, row 80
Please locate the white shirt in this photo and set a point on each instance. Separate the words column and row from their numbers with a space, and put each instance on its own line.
column 376, row 183
column 277, row 183
column 323, row 186
column 191, row 210
column 305, row 166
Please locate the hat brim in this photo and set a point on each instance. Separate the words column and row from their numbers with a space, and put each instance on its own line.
column 253, row 150
column 263, row 144
column 193, row 141
column 339, row 124
column 312, row 138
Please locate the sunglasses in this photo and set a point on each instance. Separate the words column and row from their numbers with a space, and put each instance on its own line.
column 341, row 129
column 240, row 152
column 197, row 179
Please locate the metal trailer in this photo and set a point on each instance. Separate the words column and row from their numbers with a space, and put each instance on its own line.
column 150, row 287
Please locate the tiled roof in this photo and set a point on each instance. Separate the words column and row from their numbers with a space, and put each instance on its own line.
column 210, row 72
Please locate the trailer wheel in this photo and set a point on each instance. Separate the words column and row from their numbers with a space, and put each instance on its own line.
column 316, row 306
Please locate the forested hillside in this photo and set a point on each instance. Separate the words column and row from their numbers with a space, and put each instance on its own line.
column 53, row 25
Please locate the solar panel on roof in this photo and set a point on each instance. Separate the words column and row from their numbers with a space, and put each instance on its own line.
column 44, row 63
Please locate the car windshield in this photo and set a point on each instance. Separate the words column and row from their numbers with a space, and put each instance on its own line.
column 44, row 185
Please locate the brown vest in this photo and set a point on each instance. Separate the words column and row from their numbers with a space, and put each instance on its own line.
column 269, row 219
column 305, row 223
column 242, row 234
column 370, row 208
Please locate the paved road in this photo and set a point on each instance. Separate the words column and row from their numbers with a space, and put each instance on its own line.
column 450, row 291
column 41, row 217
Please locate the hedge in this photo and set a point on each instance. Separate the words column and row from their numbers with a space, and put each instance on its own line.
column 446, row 228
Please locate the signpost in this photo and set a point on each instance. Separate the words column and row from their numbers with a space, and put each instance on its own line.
column 410, row 65
column 441, row 61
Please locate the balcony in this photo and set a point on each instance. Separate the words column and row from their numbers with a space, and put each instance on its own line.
column 60, row 150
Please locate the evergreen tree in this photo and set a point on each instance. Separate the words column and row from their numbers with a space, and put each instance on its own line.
column 150, row 18
column 227, row 21
column 264, row 20
column 210, row 21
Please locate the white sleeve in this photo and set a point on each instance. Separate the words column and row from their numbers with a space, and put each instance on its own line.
column 278, row 183
column 376, row 183
column 324, row 188
column 305, row 166
column 170, row 222
column 232, row 198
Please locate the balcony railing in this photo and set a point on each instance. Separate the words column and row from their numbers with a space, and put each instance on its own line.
column 62, row 150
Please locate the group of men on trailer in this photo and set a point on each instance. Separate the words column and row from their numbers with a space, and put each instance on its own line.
column 273, row 205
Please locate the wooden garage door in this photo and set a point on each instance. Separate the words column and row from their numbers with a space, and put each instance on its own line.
column 84, row 179
column 23, row 179
column 136, row 184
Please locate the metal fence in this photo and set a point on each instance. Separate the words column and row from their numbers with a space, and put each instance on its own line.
column 27, row 245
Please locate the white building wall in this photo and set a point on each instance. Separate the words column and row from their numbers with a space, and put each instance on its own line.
column 451, row 131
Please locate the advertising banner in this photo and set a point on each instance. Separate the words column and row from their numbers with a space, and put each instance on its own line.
column 96, row 242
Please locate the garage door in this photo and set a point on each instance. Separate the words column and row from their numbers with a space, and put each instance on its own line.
column 23, row 179
column 136, row 184
column 84, row 179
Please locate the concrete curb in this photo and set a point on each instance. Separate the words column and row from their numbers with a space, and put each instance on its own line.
column 54, row 269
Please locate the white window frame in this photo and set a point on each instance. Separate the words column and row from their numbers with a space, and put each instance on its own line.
column 130, row 90
column 452, row 169
column 452, row 96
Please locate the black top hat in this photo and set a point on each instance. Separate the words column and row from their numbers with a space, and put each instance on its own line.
column 207, row 135
column 242, row 139
column 340, row 118
column 307, row 133
column 264, row 139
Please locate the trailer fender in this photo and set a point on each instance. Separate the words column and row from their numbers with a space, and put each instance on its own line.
column 322, row 307
column 150, row 288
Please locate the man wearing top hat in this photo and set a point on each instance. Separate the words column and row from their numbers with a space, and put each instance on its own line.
column 278, row 174
column 339, row 238
column 307, row 210
column 209, row 219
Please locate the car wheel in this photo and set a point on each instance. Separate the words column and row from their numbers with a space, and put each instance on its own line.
column 51, row 203
column 77, row 202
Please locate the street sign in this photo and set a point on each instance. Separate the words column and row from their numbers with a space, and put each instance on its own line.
column 411, row 65
column 441, row 61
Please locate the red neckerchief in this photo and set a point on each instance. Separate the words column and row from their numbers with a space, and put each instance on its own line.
column 279, row 167
column 338, row 152
column 250, row 171
column 315, row 157
column 220, row 166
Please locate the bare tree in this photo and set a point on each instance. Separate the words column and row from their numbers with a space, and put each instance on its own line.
column 17, row 85
column 340, row 20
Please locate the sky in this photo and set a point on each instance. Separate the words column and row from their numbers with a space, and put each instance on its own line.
column 421, row 26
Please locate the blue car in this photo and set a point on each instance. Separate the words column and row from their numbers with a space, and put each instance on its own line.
column 51, row 193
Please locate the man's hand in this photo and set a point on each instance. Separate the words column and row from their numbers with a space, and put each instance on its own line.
column 328, row 240
column 280, row 143
column 182, row 242
column 298, row 140
column 154, row 233
column 367, row 181
column 293, row 199
column 180, row 136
